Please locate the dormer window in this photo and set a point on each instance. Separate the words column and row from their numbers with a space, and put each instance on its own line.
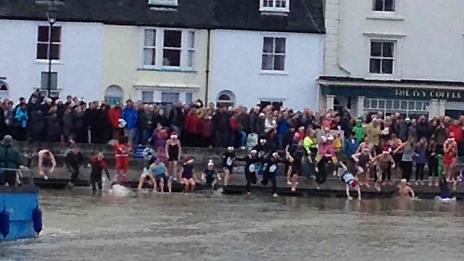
column 162, row 3
column 274, row 5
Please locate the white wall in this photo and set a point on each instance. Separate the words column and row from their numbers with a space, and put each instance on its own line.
column 429, row 35
column 79, row 68
column 236, row 66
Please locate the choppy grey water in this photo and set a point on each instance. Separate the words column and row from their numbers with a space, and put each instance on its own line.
column 206, row 226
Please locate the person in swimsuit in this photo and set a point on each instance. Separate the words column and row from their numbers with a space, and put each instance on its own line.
column 159, row 171
column 295, row 154
column 363, row 162
column 324, row 165
column 264, row 151
column 407, row 158
column 173, row 152
column 187, row 175
column 384, row 164
column 450, row 149
column 251, row 169
column 270, row 172
column 404, row 190
column 210, row 176
column 350, row 181
column 47, row 163
column 147, row 174
column 228, row 164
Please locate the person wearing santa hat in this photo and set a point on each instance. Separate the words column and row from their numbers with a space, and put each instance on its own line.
column 173, row 150
column 384, row 164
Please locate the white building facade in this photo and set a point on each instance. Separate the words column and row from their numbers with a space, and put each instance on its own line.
column 272, row 54
column 271, row 68
column 76, row 54
column 394, row 56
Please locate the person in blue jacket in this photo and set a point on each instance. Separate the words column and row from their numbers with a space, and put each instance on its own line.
column 130, row 115
column 21, row 119
column 351, row 145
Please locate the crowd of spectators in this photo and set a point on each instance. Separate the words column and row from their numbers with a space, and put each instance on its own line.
column 42, row 119
column 411, row 142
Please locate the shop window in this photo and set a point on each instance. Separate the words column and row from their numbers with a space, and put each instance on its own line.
column 409, row 108
column 367, row 103
column 388, row 104
column 411, row 105
column 381, row 104
column 404, row 105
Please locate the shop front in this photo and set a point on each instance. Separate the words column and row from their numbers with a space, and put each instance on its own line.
column 409, row 98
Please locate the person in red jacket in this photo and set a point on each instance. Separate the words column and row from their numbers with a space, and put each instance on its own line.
column 122, row 150
column 192, row 126
column 114, row 115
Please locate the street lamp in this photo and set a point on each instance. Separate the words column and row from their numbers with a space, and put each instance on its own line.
column 51, row 17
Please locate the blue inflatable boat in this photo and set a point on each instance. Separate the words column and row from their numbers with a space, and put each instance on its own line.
column 20, row 215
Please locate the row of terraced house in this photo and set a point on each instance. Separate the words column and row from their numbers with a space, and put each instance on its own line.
column 402, row 56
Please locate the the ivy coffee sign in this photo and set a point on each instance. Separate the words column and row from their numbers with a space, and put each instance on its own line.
column 429, row 94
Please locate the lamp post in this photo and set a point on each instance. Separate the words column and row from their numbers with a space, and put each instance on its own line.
column 51, row 17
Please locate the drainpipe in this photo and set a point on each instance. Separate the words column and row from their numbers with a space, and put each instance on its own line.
column 207, row 67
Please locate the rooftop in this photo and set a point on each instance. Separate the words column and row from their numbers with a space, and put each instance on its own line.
column 305, row 16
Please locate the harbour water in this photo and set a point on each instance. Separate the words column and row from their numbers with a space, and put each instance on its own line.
column 212, row 226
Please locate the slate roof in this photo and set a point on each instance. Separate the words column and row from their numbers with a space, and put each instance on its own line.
column 305, row 16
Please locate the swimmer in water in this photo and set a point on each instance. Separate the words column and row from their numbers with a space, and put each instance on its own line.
column 404, row 190
column 119, row 190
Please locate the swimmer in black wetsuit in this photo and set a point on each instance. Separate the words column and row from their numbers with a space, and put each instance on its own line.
column 228, row 164
column 251, row 168
column 270, row 172
column 264, row 151
column 98, row 165
column 295, row 154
